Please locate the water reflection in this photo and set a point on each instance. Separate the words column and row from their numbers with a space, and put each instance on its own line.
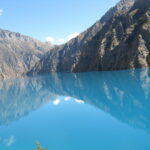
column 123, row 94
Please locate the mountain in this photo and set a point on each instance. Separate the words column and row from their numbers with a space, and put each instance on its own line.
column 123, row 42
column 84, row 53
column 119, row 40
column 19, row 53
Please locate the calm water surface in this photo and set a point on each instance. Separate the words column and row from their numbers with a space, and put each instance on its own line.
column 85, row 111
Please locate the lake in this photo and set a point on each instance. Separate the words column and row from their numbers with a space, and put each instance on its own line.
column 84, row 111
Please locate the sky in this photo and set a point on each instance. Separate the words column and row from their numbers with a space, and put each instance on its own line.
column 56, row 21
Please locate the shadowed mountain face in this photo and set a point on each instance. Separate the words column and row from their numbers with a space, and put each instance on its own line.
column 123, row 42
column 119, row 40
column 19, row 53
column 112, row 92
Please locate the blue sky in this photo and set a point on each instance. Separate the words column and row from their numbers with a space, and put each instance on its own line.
column 51, row 19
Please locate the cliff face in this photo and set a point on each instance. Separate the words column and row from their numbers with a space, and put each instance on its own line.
column 120, row 41
column 18, row 53
column 123, row 42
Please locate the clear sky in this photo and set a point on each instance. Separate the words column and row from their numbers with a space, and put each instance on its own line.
column 51, row 19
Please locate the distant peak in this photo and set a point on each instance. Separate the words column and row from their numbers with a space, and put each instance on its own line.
column 125, row 4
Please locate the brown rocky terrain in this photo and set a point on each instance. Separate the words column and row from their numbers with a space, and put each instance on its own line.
column 19, row 53
column 119, row 40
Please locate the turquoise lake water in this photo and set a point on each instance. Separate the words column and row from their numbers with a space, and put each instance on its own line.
column 84, row 111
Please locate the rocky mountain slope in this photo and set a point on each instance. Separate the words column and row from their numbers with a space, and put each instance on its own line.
column 123, row 42
column 119, row 40
column 84, row 53
column 19, row 53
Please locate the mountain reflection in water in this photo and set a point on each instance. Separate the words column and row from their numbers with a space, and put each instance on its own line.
column 123, row 94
